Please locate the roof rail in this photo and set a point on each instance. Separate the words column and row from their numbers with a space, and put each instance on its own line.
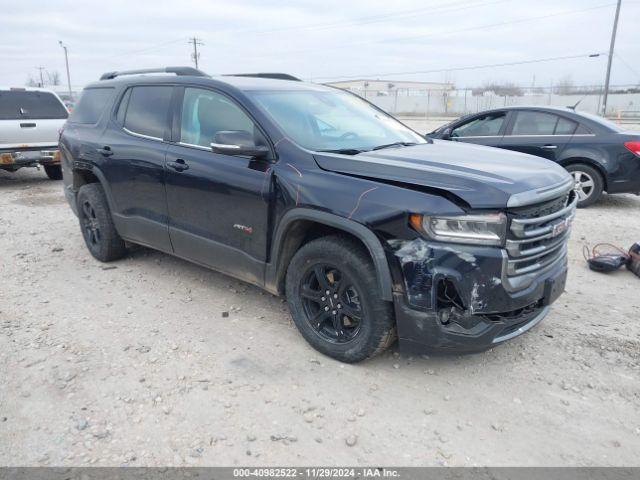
column 180, row 71
column 275, row 76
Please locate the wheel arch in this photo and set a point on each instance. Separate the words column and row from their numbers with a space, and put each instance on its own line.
column 84, row 175
column 589, row 162
column 301, row 224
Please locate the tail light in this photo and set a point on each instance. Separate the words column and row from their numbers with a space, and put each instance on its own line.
column 634, row 147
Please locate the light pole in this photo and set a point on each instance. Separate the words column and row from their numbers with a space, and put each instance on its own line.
column 610, row 59
column 66, row 61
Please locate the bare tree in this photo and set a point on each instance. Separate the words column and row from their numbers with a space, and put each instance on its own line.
column 53, row 78
column 503, row 89
column 32, row 82
column 565, row 86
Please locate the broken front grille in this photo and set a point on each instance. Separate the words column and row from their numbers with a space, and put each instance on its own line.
column 537, row 239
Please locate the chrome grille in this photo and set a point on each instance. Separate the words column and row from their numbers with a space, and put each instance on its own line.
column 537, row 239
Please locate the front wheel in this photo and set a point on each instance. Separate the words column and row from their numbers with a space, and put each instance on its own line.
column 589, row 184
column 54, row 172
column 334, row 298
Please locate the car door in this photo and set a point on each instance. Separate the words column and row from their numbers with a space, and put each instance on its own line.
column 218, row 215
column 538, row 133
column 134, row 148
column 484, row 129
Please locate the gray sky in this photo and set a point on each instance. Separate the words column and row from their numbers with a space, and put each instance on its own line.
column 324, row 39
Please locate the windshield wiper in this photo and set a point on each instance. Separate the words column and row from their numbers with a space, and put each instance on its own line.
column 344, row 151
column 394, row 144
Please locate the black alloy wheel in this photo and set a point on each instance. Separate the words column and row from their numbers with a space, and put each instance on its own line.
column 96, row 224
column 90, row 224
column 331, row 303
column 334, row 296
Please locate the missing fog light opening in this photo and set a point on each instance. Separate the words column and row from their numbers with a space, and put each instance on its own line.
column 448, row 301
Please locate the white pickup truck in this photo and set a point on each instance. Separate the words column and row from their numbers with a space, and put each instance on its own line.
column 30, row 119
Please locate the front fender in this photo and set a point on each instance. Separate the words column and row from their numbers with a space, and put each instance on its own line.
column 365, row 235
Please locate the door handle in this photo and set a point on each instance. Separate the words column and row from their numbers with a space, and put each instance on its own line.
column 27, row 125
column 549, row 147
column 105, row 151
column 179, row 165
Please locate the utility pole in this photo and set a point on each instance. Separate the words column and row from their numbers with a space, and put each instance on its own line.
column 66, row 61
column 610, row 59
column 195, row 55
column 41, row 77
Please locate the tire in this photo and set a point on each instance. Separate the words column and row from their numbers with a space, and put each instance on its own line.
column 54, row 172
column 356, row 324
column 97, row 226
column 589, row 183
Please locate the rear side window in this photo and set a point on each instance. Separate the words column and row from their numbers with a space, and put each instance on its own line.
column 540, row 123
column 30, row 105
column 148, row 110
column 565, row 126
column 92, row 103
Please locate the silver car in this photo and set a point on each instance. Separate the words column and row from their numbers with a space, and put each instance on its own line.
column 30, row 119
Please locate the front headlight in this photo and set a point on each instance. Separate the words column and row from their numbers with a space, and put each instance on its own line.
column 486, row 229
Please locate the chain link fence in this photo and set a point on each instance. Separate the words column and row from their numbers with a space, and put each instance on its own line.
column 453, row 103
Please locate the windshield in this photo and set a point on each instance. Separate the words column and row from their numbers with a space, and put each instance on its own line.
column 30, row 105
column 333, row 120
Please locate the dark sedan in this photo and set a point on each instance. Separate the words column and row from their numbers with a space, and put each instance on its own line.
column 601, row 156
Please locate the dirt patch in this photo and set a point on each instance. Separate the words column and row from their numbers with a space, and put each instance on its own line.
column 40, row 200
column 155, row 361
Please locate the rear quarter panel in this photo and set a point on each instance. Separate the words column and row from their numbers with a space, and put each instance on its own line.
column 606, row 152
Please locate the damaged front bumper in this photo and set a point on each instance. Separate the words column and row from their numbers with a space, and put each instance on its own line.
column 461, row 298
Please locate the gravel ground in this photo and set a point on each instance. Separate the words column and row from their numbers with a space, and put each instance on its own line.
column 138, row 363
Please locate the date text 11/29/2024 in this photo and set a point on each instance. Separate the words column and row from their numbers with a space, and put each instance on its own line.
column 315, row 472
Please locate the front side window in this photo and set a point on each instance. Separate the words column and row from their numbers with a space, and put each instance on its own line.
column 484, row 126
column 148, row 110
column 205, row 113
column 91, row 105
column 332, row 120
column 30, row 105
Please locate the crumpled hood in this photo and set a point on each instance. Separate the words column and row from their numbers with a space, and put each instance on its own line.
column 484, row 177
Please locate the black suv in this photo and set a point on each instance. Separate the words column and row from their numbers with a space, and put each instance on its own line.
column 371, row 231
column 599, row 154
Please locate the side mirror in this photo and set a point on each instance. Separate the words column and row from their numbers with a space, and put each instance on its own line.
column 238, row 142
column 446, row 134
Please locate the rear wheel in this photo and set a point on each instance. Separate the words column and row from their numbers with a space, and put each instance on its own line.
column 588, row 183
column 97, row 226
column 333, row 295
column 54, row 172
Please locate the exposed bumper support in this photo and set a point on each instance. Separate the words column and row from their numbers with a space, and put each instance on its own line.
column 482, row 312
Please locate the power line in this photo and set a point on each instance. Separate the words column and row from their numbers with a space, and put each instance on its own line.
column 147, row 49
column 446, row 33
column 443, row 8
column 456, row 69
column 628, row 65
column 508, row 22
column 195, row 56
